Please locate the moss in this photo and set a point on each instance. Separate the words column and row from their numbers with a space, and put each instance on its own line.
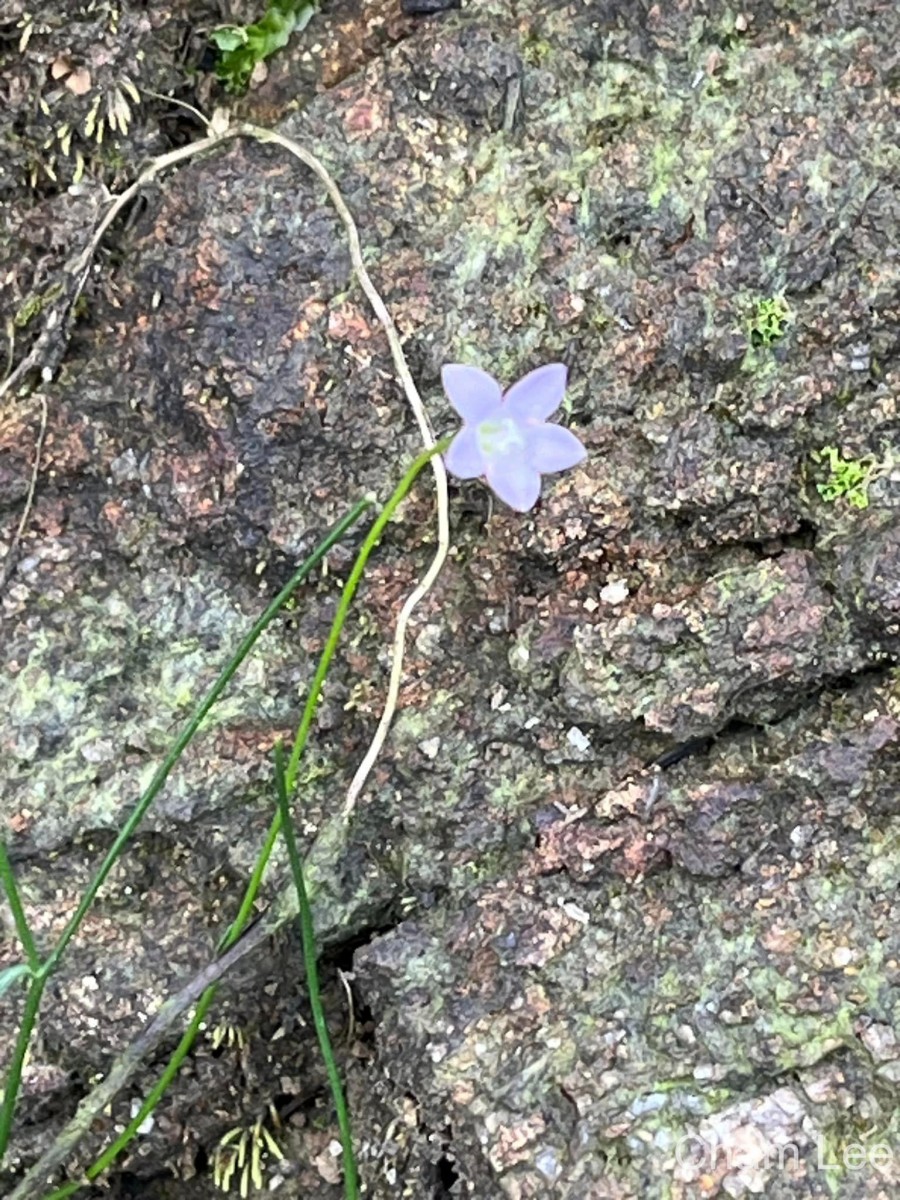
column 665, row 156
column 35, row 304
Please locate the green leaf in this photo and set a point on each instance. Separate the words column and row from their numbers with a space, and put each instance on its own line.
column 244, row 46
column 11, row 975
column 229, row 37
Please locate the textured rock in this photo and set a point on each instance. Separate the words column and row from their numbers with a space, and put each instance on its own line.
column 598, row 959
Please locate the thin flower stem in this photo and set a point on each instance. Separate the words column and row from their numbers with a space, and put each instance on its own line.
column 290, row 778
column 371, row 540
column 45, row 969
column 24, row 1191
column 125, row 1064
column 308, row 938
column 190, row 729
column 171, row 1069
column 234, row 930
column 228, row 939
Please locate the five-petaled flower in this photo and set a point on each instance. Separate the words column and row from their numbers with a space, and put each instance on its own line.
column 506, row 437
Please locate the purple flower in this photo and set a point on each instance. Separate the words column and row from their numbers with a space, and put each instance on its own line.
column 506, row 438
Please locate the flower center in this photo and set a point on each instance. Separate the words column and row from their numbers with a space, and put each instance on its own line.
column 499, row 437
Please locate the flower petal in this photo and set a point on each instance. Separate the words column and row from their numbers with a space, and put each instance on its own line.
column 537, row 394
column 473, row 393
column 552, row 448
column 464, row 458
column 515, row 480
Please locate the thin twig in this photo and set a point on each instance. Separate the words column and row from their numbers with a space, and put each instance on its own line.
column 330, row 834
column 57, row 322
column 146, row 1042
column 149, row 173
column 58, row 316
column 345, row 978
column 11, row 348
column 9, row 562
column 220, row 133
column 428, row 439
column 127, row 1063
column 39, row 980
column 204, row 121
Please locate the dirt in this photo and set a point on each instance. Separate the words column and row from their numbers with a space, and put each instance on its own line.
column 619, row 904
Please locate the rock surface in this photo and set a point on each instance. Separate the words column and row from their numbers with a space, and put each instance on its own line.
column 622, row 889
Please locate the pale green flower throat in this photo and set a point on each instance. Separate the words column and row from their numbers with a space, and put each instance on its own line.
column 499, row 437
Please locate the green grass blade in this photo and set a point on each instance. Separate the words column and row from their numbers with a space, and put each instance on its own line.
column 190, row 729
column 23, row 929
column 45, row 969
column 289, row 779
column 308, row 938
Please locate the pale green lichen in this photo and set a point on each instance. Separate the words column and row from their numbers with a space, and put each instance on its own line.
column 848, row 478
column 769, row 321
